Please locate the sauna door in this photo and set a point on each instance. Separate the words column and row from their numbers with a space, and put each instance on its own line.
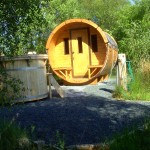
column 80, row 52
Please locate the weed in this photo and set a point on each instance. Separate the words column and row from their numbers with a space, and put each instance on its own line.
column 139, row 89
column 135, row 139
column 118, row 93
column 12, row 137
column 60, row 143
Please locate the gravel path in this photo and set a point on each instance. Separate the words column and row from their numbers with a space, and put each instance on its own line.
column 87, row 115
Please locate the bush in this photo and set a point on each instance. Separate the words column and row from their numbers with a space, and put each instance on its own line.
column 12, row 137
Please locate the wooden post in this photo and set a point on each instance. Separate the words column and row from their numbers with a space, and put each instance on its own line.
column 49, row 83
column 121, row 71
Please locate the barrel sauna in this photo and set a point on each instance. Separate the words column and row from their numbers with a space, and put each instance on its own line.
column 31, row 71
column 80, row 52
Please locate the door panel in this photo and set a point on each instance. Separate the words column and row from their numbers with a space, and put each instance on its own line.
column 80, row 52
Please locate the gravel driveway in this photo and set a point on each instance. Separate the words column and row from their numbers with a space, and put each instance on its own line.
column 87, row 115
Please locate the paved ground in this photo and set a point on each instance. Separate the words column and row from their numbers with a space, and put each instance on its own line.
column 84, row 118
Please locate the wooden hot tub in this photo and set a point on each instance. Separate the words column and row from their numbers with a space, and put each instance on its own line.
column 31, row 71
column 80, row 52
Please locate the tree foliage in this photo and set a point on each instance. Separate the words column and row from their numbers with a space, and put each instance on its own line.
column 20, row 25
column 132, row 32
column 102, row 12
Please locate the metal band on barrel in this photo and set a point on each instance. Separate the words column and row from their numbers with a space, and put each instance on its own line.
column 27, row 68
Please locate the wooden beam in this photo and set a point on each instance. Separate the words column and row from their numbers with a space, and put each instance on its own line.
column 93, row 71
column 55, row 84
column 62, row 73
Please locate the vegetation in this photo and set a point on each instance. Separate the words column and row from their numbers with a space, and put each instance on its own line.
column 135, row 139
column 132, row 32
column 12, row 137
column 139, row 88
column 21, row 26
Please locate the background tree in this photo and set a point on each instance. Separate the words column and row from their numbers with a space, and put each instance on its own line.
column 132, row 32
column 21, row 24
column 57, row 11
column 103, row 12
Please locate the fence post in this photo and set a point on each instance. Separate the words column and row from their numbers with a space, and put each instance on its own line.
column 122, row 71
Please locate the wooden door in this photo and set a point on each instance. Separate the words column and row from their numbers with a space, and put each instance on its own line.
column 80, row 52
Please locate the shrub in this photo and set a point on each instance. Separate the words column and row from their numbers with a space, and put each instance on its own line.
column 12, row 137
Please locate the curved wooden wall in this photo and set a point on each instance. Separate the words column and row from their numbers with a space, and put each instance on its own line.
column 80, row 52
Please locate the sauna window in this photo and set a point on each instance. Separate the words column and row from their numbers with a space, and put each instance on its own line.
column 94, row 43
column 66, row 46
column 80, row 44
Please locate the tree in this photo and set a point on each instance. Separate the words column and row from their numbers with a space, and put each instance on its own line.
column 57, row 11
column 132, row 32
column 102, row 12
column 21, row 24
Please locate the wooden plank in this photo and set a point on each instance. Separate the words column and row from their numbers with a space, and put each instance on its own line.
column 93, row 71
column 89, row 45
column 95, row 66
column 89, row 73
column 62, row 68
column 62, row 73
column 57, row 86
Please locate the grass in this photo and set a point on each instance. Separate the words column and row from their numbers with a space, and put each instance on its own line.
column 135, row 139
column 139, row 88
column 12, row 137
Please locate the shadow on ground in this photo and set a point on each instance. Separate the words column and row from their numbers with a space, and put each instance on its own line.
column 82, row 120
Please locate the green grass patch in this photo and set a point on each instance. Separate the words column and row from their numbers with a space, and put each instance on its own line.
column 139, row 89
column 135, row 139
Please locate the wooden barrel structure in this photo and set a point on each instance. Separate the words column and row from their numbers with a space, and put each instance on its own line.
column 31, row 71
column 80, row 52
